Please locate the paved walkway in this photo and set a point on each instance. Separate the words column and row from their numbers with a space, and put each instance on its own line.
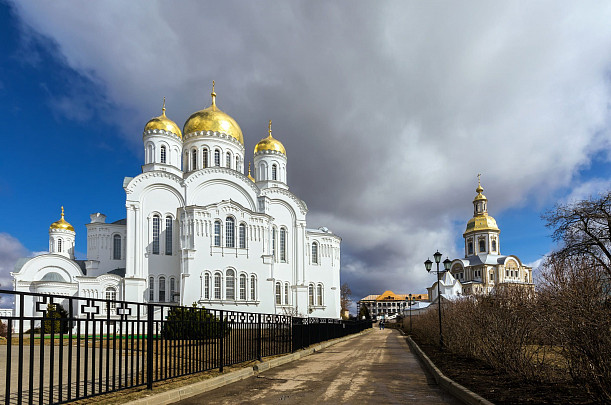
column 376, row 368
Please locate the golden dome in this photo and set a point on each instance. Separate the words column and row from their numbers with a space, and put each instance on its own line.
column 213, row 119
column 481, row 223
column 249, row 175
column 163, row 122
column 270, row 143
column 62, row 224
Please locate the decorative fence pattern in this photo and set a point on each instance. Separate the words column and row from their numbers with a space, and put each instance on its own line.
column 60, row 349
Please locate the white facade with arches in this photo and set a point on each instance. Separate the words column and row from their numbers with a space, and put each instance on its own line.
column 200, row 230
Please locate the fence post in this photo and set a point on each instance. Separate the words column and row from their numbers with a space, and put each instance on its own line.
column 259, row 338
column 221, row 342
column 149, row 346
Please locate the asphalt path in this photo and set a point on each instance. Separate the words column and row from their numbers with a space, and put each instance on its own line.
column 375, row 368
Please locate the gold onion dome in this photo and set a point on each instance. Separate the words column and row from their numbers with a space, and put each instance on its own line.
column 213, row 119
column 270, row 143
column 483, row 221
column 249, row 175
column 62, row 224
column 163, row 122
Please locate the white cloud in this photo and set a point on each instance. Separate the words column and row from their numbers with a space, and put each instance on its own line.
column 588, row 189
column 388, row 110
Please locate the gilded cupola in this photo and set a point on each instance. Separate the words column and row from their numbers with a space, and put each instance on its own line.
column 481, row 221
column 62, row 224
column 270, row 143
column 249, row 174
column 164, row 123
column 213, row 119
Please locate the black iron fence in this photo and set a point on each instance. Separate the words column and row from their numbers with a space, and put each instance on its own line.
column 56, row 349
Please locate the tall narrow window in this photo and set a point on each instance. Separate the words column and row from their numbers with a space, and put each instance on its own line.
column 286, row 293
column 482, row 246
column 168, row 235
column 494, row 245
column 229, row 232
column 156, row 221
column 237, row 163
column 116, row 247
column 470, row 247
column 243, row 287
column 172, row 289
column 282, row 245
column 314, row 252
column 59, row 245
column 205, row 158
column 253, row 287
column 111, row 294
column 151, row 289
column 274, row 172
column 230, row 285
column 185, row 162
column 311, row 294
column 217, row 157
column 193, row 159
column 206, row 286
column 278, row 293
column 319, row 294
column 274, row 243
column 217, row 286
column 217, row 233
column 228, row 160
column 163, row 154
column 161, row 289
column 242, row 236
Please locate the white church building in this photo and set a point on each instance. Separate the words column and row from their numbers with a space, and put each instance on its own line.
column 199, row 230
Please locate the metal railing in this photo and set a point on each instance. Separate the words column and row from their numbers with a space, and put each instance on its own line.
column 62, row 348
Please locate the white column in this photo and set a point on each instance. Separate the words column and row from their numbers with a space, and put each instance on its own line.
column 130, row 241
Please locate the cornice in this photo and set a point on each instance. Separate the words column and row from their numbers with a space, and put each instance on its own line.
column 276, row 190
column 193, row 176
column 151, row 175
column 161, row 132
column 213, row 134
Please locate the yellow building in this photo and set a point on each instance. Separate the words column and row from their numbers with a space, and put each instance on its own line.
column 388, row 303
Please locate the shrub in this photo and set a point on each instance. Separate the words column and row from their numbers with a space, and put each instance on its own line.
column 3, row 329
column 193, row 323
column 57, row 319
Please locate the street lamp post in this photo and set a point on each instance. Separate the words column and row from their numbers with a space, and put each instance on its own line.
column 410, row 302
column 428, row 265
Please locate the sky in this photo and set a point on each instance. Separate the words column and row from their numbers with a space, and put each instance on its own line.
column 388, row 111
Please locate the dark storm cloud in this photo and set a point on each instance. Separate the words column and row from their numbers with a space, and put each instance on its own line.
column 388, row 110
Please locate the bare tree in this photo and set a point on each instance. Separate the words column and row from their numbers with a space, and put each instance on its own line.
column 584, row 228
column 345, row 293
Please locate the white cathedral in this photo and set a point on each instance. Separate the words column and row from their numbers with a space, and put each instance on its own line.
column 199, row 230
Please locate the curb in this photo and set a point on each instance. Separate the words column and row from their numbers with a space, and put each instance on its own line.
column 456, row 390
column 178, row 394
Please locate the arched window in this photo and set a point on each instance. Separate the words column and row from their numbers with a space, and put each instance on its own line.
column 59, row 245
column 494, row 245
column 149, row 158
column 274, row 243
column 228, row 160
column 278, row 293
column 151, row 289
column 156, row 224
column 282, row 244
column 274, row 172
column 470, row 247
column 243, row 287
column 217, row 233
column 217, row 157
column 111, row 294
column 172, row 289
column 319, row 294
column 237, row 163
column 206, row 286
column 193, row 159
column 242, row 236
column 253, row 287
column 205, row 158
column 161, row 289
column 230, row 285
column 217, row 286
column 314, row 252
column 116, row 247
column 185, row 162
column 169, row 225
column 229, row 232
column 163, row 154
column 311, row 294
column 482, row 245
column 286, row 293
